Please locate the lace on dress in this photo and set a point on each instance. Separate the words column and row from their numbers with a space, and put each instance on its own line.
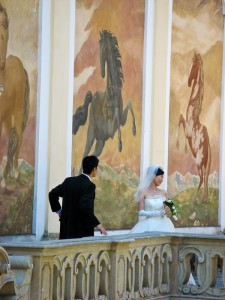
column 153, row 206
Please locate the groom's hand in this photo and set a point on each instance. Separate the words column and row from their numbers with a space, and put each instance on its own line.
column 102, row 229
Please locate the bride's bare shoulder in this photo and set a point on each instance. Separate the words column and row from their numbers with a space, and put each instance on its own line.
column 143, row 193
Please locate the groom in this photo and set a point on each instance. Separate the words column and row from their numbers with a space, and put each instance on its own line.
column 77, row 217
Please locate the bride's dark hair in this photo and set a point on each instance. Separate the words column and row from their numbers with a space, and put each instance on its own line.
column 159, row 172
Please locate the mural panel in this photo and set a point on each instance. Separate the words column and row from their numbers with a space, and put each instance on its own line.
column 195, row 104
column 18, row 90
column 108, row 102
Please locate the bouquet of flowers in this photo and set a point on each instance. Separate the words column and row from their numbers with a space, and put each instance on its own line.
column 172, row 207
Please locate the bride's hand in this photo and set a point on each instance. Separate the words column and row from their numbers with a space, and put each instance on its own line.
column 166, row 209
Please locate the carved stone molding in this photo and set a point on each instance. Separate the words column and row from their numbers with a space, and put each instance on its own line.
column 15, row 275
column 140, row 266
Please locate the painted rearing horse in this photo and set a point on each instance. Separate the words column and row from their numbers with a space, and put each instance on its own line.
column 106, row 114
column 195, row 132
column 14, row 99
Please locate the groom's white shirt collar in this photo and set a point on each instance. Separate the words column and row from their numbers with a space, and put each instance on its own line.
column 87, row 176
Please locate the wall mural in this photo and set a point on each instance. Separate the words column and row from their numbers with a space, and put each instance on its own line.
column 195, row 102
column 107, row 102
column 18, row 77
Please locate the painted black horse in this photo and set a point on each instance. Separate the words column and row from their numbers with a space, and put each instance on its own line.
column 106, row 114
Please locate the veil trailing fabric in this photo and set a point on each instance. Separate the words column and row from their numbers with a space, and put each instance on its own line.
column 146, row 180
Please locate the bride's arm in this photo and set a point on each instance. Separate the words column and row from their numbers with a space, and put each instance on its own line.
column 141, row 198
column 165, row 194
column 140, row 205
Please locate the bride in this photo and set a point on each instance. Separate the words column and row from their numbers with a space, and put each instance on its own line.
column 150, row 200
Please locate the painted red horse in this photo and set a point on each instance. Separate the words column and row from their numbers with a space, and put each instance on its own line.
column 195, row 132
column 14, row 99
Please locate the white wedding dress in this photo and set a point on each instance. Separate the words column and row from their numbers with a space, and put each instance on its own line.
column 154, row 221
column 153, row 206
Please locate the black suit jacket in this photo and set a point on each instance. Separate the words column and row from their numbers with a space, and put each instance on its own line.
column 77, row 217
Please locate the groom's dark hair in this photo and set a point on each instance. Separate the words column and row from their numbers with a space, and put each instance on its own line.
column 89, row 163
column 159, row 172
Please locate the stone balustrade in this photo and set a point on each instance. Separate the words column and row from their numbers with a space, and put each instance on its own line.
column 15, row 275
column 140, row 266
